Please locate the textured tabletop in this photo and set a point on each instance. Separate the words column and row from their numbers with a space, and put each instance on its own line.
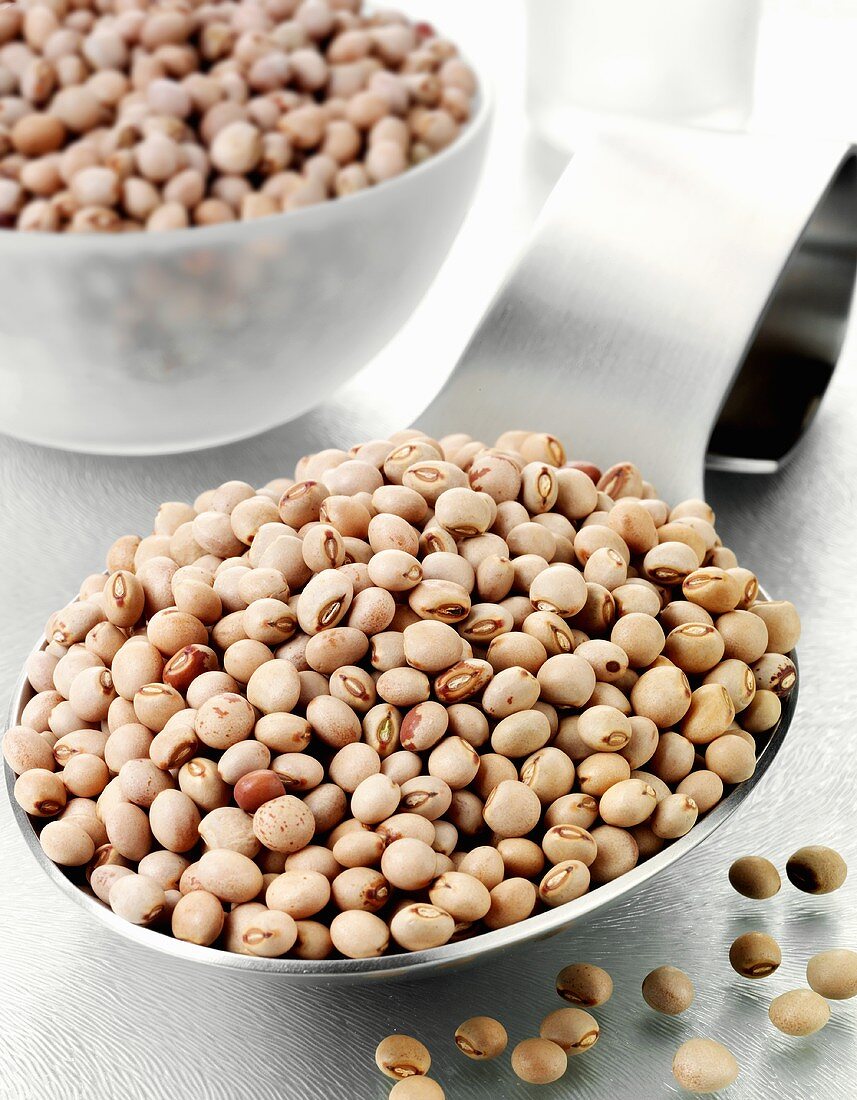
column 83, row 1014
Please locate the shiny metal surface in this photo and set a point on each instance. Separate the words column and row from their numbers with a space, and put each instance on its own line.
column 666, row 265
column 86, row 1014
column 152, row 1025
column 407, row 964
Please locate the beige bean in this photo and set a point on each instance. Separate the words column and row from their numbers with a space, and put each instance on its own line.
column 401, row 1057
column 359, row 935
column 67, row 843
column 395, row 570
column 566, row 680
column 481, row 1038
column 375, row 798
column 198, row 918
column 782, row 622
column 731, row 758
column 704, row 787
column 617, row 853
column 799, row 1012
column 284, row 825
column 465, row 679
column 662, row 694
column 426, row 796
column 584, row 984
column 461, row 895
column 333, row 721
column 564, row 882
column 419, row 926
column 604, row 729
column 703, row 1065
column 454, row 761
column 128, row 830
column 137, row 899
column 224, row 720
column 539, row 1061
column 431, row 646
column 512, row 809
column 510, row 691
column 324, row 601
column 668, row 990
column 712, row 588
column 833, row 974
column 520, row 733
column 512, row 901
column 598, row 772
column 674, row 816
column 174, row 820
column 549, row 772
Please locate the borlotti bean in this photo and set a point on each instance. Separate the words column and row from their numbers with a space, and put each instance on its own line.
column 146, row 115
column 424, row 688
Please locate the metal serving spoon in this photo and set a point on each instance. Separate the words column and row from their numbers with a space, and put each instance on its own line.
column 666, row 270
column 668, row 267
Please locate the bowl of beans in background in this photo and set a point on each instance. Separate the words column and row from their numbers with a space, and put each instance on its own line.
column 215, row 214
column 423, row 701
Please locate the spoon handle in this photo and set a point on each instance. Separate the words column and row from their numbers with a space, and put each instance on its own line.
column 665, row 265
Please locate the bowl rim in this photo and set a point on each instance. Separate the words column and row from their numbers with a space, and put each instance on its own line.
column 229, row 232
column 414, row 963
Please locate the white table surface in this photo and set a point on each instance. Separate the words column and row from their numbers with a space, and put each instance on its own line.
column 85, row 1015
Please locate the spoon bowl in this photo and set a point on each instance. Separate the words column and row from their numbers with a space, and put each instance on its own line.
column 72, row 883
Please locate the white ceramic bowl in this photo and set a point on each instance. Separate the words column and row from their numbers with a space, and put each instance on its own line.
column 145, row 343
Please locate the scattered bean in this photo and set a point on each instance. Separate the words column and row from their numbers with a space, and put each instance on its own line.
column 539, row 1061
column 400, row 1056
column 755, row 955
column 572, row 1029
column 833, row 974
column 417, row 1088
column 668, row 990
column 755, row 877
column 481, row 1038
column 584, row 984
column 799, row 1012
column 703, row 1065
column 816, row 869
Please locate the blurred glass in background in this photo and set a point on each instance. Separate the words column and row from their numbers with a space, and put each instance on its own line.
column 689, row 62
